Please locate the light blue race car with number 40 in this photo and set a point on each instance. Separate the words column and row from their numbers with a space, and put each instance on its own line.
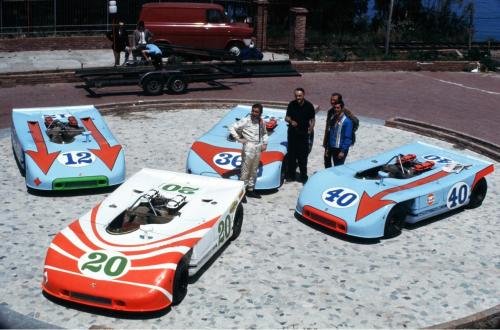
column 66, row 148
column 374, row 197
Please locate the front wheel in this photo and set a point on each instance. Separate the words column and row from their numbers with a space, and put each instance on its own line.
column 152, row 85
column 478, row 194
column 235, row 48
column 395, row 222
column 181, row 278
column 237, row 223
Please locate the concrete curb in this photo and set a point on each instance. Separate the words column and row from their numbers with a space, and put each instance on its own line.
column 485, row 148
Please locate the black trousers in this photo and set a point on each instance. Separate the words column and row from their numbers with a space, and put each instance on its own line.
column 333, row 154
column 298, row 151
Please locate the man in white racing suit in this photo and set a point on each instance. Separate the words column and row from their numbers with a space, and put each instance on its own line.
column 251, row 131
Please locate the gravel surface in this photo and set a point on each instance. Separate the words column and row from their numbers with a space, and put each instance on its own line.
column 280, row 273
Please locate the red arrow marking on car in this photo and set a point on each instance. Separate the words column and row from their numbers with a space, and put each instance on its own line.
column 368, row 204
column 41, row 156
column 207, row 152
column 106, row 153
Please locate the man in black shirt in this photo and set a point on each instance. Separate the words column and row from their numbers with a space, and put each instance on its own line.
column 300, row 116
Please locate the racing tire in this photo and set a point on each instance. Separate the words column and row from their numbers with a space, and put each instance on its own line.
column 478, row 194
column 153, row 85
column 181, row 279
column 177, row 85
column 235, row 48
column 395, row 222
column 237, row 223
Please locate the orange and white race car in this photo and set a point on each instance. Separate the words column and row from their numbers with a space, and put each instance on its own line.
column 136, row 249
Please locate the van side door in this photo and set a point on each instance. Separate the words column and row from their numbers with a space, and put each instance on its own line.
column 217, row 31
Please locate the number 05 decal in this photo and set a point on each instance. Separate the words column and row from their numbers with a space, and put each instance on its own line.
column 458, row 195
column 340, row 197
column 104, row 265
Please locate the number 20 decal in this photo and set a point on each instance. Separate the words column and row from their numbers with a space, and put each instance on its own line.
column 104, row 264
column 340, row 197
column 458, row 195
column 224, row 229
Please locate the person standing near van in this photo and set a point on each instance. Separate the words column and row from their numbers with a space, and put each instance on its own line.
column 142, row 37
column 251, row 132
column 119, row 37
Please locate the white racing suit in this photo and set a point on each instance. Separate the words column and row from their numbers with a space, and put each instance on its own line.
column 255, row 133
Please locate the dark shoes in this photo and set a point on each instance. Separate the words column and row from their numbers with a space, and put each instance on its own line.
column 253, row 194
column 304, row 179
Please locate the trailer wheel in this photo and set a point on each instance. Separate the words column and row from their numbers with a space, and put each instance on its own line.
column 177, row 85
column 153, row 85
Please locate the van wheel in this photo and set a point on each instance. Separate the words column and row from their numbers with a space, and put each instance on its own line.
column 478, row 194
column 395, row 222
column 235, row 48
column 177, row 85
column 153, row 85
column 237, row 223
column 181, row 278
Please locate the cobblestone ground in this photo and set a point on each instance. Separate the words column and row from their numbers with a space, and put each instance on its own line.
column 280, row 273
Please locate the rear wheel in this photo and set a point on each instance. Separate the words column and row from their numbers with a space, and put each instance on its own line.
column 283, row 171
column 478, row 194
column 177, row 85
column 181, row 278
column 237, row 223
column 395, row 222
column 153, row 85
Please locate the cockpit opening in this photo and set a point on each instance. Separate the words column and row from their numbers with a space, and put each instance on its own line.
column 398, row 167
column 150, row 208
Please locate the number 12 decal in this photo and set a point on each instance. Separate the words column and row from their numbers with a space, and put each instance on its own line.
column 458, row 195
column 76, row 158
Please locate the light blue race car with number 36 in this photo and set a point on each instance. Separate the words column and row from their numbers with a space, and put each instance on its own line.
column 374, row 197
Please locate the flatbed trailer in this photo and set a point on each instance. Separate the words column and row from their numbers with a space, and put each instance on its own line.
column 176, row 77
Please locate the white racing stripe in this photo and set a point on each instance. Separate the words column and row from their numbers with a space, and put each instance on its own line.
column 162, row 290
column 61, row 251
column 89, row 233
column 75, row 240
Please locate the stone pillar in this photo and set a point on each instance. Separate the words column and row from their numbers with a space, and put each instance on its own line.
column 297, row 30
column 261, row 24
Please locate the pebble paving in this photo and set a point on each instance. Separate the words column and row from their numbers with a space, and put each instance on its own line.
column 280, row 273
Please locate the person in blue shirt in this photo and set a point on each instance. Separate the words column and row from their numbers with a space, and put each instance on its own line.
column 339, row 135
column 152, row 54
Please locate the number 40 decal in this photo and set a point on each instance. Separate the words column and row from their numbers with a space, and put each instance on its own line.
column 340, row 197
column 458, row 195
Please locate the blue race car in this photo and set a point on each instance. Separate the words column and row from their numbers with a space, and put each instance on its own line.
column 217, row 154
column 65, row 148
column 374, row 197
